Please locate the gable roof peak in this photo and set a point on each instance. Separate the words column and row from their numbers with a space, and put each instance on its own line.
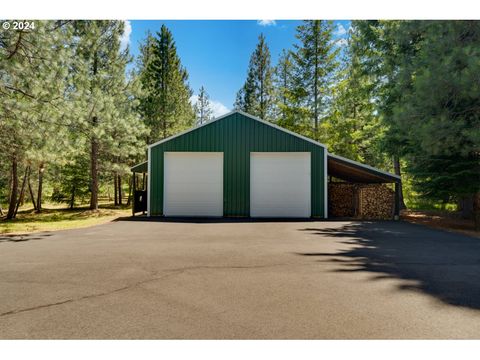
column 253, row 117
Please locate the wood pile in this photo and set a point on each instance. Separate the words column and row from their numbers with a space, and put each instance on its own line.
column 342, row 198
column 364, row 201
column 376, row 201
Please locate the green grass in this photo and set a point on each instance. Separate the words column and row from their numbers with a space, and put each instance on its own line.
column 57, row 217
column 420, row 204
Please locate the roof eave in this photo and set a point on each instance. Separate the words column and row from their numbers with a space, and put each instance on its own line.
column 394, row 177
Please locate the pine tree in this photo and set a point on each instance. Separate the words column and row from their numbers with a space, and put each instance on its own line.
column 256, row 95
column 352, row 127
column 33, row 68
column 165, row 103
column 103, row 103
column 427, row 91
column 202, row 108
column 283, row 85
column 315, row 66
column 71, row 181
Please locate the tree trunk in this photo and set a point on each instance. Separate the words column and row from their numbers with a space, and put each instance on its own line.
column 72, row 198
column 22, row 191
column 396, row 166
column 476, row 210
column 119, row 190
column 41, row 169
column 115, row 190
column 129, row 199
column 465, row 206
column 94, row 153
column 94, row 171
column 31, row 192
column 13, row 189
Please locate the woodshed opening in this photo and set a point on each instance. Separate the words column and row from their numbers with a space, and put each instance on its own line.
column 360, row 191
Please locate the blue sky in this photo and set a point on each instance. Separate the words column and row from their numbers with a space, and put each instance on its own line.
column 216, row 52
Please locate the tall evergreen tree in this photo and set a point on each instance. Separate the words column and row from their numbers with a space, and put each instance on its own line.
column 315, row 63
column 101, row 98
column 288, row 109
column 256, row 95
column 435, row 131
column 353, row 128
column 442, row 128
column 283, row 85
column 33, row 69
column 165, row 103
column 202, row 107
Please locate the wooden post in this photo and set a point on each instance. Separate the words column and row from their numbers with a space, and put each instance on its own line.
column 396, row 213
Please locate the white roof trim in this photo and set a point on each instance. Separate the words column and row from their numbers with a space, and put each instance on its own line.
column 368, row 167
column 245, row 114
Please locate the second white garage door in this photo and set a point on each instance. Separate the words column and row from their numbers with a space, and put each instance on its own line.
column 193, row 184
column 280, row 184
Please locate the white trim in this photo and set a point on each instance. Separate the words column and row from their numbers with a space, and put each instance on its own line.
column 364, row 166
column 149, row 179
column 245, row 114
column 325, row 196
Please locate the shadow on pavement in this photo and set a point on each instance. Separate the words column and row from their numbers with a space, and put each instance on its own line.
column 22, row 237
column 441, row 264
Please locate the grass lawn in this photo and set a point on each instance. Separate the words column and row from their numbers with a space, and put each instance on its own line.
column 56, row 217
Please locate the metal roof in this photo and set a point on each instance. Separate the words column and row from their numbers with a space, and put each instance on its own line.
column 354, row 171
column 244, row 114
column 140, row 168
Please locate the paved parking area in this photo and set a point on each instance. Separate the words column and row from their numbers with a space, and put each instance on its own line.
column 240, row 280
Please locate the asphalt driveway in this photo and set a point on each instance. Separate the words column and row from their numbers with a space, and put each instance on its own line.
column 261, row 280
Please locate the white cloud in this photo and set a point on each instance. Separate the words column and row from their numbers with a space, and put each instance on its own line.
column 218, row 109
column 266, row 22
column 125, row 39
column 340, row 30
column 341, row 42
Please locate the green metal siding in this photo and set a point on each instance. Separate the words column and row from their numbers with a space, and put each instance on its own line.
column 236, row 136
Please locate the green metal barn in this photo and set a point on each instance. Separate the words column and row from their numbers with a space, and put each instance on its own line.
column 238, row 165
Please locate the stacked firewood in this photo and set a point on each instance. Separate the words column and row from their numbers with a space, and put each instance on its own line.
column 342, row 199
column 375, row 202
column 365, row 201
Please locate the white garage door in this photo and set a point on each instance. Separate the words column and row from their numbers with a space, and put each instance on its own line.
column 193, row 184
column 280, row 184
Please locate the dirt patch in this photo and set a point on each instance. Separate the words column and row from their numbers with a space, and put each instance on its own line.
column 442, row 220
